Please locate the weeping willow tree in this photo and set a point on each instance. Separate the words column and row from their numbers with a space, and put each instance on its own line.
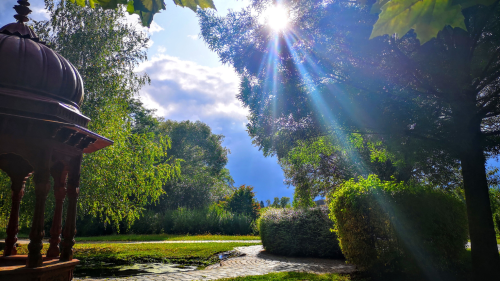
column 119, row 181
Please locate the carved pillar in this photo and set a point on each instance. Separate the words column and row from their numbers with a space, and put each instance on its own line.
column 18, row 182
column 42, row 187
column 59, row 176
column 70, row 224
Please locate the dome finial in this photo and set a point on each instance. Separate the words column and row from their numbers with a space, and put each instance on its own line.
column 22, row 10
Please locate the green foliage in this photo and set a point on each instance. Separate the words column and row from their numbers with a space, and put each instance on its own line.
column 301, row 232
column 146, row 9
column 204, row 179
column 242, row 201
column 434, row 106
column 426, row 17
column 283, row 202
column 167, row 237
column 212, row 219
column 495, row 208
column 119, row 181
column 386, row 226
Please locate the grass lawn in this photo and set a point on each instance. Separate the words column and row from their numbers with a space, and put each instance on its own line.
column 299, row 276
column 166, row 237
column 201, row 254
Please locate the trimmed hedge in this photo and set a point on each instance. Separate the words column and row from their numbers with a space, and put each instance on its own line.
column 302, row 232
column 390, row 227
column 212, row 220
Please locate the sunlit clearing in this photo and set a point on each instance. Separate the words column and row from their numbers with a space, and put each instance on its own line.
column 276, row 17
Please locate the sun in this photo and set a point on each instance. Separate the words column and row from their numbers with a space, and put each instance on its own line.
column 277, row 18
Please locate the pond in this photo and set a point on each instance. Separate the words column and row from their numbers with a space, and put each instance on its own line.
column 110, row 270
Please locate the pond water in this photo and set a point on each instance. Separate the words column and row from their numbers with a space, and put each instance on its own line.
column 109, row 270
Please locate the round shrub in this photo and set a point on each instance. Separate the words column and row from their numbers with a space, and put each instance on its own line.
column 390, row 227
column 301, row 232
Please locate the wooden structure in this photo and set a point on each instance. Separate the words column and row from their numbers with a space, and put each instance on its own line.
column 43, row 132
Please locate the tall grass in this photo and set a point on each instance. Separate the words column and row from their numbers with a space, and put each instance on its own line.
column 194, row 221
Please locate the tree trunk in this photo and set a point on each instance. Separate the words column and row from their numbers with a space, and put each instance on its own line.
column 485, row 257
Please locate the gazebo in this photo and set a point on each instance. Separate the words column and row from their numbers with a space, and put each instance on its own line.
column 42, row 132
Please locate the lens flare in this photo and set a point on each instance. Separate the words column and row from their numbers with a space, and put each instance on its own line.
column 277, row 18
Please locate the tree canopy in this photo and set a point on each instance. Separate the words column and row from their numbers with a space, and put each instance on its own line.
column 119, row 181
column 435, row 104
column 204, row 178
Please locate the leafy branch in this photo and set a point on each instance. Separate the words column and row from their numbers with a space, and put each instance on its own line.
column 146, row 9
column 426, row 17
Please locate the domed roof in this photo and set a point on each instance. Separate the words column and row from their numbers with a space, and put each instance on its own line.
column 28, row 65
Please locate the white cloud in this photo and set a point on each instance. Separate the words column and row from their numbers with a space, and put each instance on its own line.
column 183, row 90
column 155, row 28
column 40, row 13
column 162, row 49
column 194, row 37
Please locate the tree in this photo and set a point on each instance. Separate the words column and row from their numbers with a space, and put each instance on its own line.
column 204, row 178
column 262, row 204
column 117, row 182
column 276, row 202
column 284, row 202
column 316, row 166
column 436, row 104
column 242, row 201
column 146, row 9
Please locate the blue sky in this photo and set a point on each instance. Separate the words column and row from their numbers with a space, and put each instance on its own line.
column 189, row 83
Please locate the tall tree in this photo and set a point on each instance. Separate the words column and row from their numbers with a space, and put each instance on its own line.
column 242, row 201
column 436, row 103
column 118, row 182
column 204, row 178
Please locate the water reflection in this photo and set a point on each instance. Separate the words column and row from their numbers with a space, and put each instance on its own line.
column 109, row 270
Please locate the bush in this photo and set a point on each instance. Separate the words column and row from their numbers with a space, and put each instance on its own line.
column 495, row 207
column 242, row 201
column 301, row 232
column 389, row 227
column 212, row 220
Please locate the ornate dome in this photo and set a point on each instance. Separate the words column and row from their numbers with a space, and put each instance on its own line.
column 28, row 66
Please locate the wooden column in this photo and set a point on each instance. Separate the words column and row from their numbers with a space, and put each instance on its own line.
column 42, row 187
column 70, row 224
column 18, row 182
column 59, row 175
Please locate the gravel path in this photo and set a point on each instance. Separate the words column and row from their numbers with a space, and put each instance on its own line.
column 255, row 261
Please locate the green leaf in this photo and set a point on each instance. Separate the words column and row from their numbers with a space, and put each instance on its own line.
column 427, row 17
column 80, row 3
column 110, row 4
column 469, row 3
column 130, row 7
column 192, row 4
column 146, row 9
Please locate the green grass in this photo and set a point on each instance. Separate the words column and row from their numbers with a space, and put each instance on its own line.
column 201, row 254
column 299, row 276
column 166, row 237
